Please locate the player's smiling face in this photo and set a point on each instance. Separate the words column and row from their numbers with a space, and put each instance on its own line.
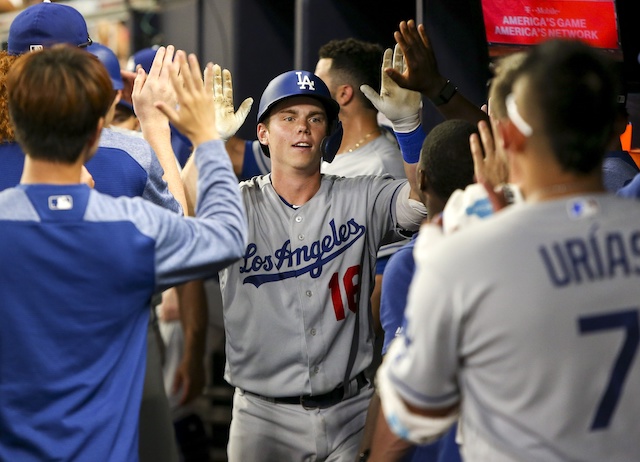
column 295, row 129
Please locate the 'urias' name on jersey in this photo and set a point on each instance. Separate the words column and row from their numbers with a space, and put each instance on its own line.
column 579, row 259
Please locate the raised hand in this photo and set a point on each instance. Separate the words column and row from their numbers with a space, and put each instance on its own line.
column 399, row 105
column 195, row 114
column 154, row 87
column 490, row 167
column 228, row 120
column 421, row 72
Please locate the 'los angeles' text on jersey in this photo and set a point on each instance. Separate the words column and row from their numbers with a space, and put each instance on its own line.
column 287, row 261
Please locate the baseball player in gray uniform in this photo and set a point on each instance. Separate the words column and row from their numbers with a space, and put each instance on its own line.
column 296, row 307
column 532, row 323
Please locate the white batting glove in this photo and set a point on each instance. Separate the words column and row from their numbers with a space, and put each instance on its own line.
column 399, row 105
column 228, row 121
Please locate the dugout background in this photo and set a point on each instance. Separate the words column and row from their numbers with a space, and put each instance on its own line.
column 259, row 39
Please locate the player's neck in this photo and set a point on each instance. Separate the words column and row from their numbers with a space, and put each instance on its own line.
column 357, row 133
column 565, row 185
column 295, row 189
column 41, row 171
column 541, row 177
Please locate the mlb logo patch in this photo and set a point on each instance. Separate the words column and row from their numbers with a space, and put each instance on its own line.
column 582, row 208
column 61, row 202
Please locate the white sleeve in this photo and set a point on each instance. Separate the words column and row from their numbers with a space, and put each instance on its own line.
column 407, row 425
column 466, row 207
column 472, row 204
column 430, row 235
column 409, row 212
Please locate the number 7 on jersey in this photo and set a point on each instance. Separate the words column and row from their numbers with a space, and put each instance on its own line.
column 627, row 320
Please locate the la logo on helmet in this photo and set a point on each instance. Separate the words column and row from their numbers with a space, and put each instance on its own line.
column 304, row 82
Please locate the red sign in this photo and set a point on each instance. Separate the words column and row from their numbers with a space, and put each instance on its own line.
column 527, row 22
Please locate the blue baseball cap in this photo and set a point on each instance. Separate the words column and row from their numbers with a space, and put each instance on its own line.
column 304, row 83
column 297, row 83
column 46, row 24
column 142, row 57
column 109, row 59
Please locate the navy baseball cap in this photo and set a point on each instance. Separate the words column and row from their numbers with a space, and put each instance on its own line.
column 297, row 83
column 143, row 57
column 109, row 59
column 46, row 24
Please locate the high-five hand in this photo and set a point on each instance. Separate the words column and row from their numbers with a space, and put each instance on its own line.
column 195, row 114
column 399, row 105
column 228, row 121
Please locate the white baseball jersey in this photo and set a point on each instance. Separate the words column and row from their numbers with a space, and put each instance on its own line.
column 379, row 157
column 531, row 320
column 289, row 305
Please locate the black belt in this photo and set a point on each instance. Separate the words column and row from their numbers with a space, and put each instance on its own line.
column 317, row 401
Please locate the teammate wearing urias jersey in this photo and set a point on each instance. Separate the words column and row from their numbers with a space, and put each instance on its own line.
column 296, row 308
column 529, row 321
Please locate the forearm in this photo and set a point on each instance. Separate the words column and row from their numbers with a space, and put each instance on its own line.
column 194, row 318
column 410, row 171
column 369, row 427
column 189, row 176
column 159, row 137
column 386, row 446
column 459, row 107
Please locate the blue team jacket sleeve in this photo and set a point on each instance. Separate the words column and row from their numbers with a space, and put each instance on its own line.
column 220, row 215
column 139, row 162
column 188, row 248
column 395, row 288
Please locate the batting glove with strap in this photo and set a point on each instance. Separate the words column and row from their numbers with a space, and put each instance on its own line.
column 399, row 105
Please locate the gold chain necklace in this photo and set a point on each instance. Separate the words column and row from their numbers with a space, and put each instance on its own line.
column 357, row 145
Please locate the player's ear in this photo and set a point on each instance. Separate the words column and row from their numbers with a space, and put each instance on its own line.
column 263, row 133
column 421, row 179
column 512, row 139
column 498, row 130
column 344, row 94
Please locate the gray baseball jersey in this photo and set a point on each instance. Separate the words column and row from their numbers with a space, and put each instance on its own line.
column 380, row 156
column 530, row 319
column 289, row 304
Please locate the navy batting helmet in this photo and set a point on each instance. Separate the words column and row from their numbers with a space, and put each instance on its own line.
column 109, row 59
column 304, row 83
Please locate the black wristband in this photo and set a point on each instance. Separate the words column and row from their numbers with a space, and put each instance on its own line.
column 445, row 94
